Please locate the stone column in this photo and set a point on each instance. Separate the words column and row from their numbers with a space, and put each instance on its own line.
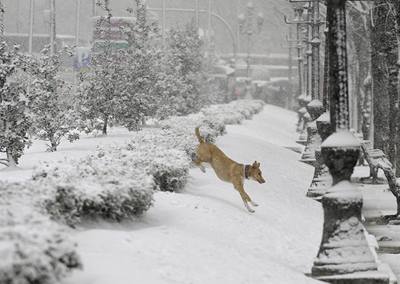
column 301, row 111
column 322, row 179
column 299, row 16
column 303, row 102
column 315, row 108
column 344, row 247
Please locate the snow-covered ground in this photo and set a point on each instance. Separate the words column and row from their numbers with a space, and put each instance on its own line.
column 205, row 235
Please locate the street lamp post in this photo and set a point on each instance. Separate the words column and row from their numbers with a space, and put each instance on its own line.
column 250, row 23
column 345, row 255
column 31, row 18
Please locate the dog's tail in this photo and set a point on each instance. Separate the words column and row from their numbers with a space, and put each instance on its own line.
column 197, row 131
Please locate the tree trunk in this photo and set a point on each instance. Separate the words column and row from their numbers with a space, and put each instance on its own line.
column 396, row 6
column 105, row 125
column 53, row 145
column 12, row 161
column 359, row 37
column 379, row 41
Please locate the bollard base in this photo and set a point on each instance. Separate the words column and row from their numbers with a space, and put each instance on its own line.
column 301, row 142
column 383, row 275
column 319, row 187
column 311, row 161
column 357, row 278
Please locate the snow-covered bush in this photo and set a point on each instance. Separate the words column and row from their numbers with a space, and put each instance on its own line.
column 54, row 116
column 98, row 186
column 92, row 199
column 168, row 167
column 187, row 124
column 33, row 249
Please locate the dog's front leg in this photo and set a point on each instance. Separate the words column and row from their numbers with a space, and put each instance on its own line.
column 239, row 187
column 249, row 199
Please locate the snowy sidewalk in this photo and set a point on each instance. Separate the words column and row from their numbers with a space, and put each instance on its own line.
column 205, row 235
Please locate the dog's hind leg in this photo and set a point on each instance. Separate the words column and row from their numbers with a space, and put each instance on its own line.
column 198, row 163
column 245, row 197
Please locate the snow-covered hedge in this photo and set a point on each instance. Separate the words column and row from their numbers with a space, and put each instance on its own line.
column 178, row 132
column 33, row 249
column 233, row 112
column 100, row 186
column 168, row 167
column 187, row 124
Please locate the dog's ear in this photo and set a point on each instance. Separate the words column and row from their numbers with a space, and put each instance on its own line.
column 256, row 164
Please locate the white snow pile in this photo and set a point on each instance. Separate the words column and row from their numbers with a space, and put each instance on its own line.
column 33, row 249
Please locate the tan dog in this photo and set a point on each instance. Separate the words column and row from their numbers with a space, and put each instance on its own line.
column 227, row 169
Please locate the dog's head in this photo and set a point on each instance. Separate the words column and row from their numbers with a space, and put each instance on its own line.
column 255, row 173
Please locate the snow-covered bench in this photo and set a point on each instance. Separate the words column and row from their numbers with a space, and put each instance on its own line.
column 376, row 160
column 394, row 187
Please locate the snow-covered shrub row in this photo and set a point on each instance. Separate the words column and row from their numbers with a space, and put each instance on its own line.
column 99, row 186
column 210, row 127
column 233, row 112
column 178, row 132
column 33, row 249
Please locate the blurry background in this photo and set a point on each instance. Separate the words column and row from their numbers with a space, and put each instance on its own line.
column 270, row 40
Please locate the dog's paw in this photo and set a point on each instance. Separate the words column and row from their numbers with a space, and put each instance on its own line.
column 253, row 204
column 248, row 208
column 203, row 169
column 251, row 210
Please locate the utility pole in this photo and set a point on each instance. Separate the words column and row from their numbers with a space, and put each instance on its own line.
column 315, row 45
column 77, row 21
column 209, row 17
column 52, row 26
column 94, row 12
column 164, row 21
column 2, row 18
column 31, row 19
column 290, row 83
column 308, row 51
column 298, row 21
column 197, row 16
